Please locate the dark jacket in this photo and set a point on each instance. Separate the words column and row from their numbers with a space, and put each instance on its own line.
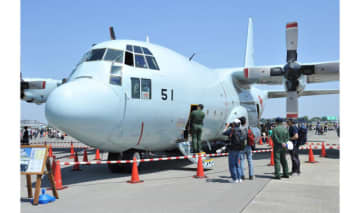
column 25, row 139
column 231, row 132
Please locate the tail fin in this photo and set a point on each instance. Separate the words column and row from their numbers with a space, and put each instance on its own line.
column 249, row 55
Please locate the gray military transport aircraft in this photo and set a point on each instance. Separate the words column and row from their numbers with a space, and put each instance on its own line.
column 131, row 97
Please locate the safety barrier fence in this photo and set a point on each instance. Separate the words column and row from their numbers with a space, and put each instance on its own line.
column 62, row 145
column 337, row 147
column 79, row 145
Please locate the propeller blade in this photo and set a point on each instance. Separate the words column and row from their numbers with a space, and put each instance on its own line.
column 307, row 69
column 291, row 41
column 112, row 33
column 292, row 105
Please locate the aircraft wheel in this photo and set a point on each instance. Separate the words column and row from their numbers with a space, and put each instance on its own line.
column 123, row 168
column 115, row 168
column 129, row 155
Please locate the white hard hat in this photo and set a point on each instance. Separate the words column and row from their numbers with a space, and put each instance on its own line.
column 237, row 121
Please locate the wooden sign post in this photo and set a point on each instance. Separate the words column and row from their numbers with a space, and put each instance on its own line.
column 32, row 162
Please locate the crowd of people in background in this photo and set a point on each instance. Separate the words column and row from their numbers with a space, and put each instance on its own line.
column 287, row 135
column 27, row 134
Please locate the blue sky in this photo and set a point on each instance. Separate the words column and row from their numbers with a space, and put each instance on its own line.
column 55, row 34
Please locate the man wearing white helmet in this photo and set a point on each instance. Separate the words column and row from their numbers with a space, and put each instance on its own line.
column 236, row 144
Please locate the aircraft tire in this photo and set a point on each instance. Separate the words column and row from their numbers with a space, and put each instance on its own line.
column 123, row 168
column 115, row 168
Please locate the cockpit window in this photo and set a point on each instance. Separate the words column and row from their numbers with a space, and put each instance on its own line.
column 152, row 63
column 114, row 55
column 143, row 57
column 146, row 51
column 140, row 61
column 138, row 49
column 129, row 48
column 96, row 54
column 129, row 59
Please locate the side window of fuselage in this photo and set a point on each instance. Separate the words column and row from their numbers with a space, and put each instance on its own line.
column 141, row 88
column 115, row 75
column 145, row 88
column 135, row 88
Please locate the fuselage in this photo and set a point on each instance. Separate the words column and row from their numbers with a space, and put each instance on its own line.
column 115, row 106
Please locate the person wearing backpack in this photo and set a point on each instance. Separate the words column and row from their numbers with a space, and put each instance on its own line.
column 236, row 144
column 250, row 143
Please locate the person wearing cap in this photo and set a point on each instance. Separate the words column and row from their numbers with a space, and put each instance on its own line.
column 231, row 130
column 248, row 150
column 294, row 136
column 196, row 124
column 280, row 137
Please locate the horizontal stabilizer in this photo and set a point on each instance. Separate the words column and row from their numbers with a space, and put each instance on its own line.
column 284, row 94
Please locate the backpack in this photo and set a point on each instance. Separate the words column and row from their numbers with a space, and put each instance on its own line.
column 239, row 139
column 302, row 132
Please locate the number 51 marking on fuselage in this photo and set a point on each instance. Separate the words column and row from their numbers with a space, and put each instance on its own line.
column 164, row 95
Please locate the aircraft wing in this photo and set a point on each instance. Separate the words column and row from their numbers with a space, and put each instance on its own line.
column 272, row 75
column 284, row 94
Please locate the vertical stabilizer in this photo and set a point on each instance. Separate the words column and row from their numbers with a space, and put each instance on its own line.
column 249, row 55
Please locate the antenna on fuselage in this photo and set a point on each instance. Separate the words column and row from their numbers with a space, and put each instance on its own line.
column 192, row 56
column 112, row 33
column 147, row 39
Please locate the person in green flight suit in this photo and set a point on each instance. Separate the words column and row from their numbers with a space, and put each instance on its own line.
column 280, row 137
column 196, row 124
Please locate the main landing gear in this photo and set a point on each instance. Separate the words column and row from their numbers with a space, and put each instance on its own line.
column 127, row 155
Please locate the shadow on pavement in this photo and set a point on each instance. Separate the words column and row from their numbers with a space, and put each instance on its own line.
column 90, row 173
column 264, row 176
column 217, row 180
column 331, row 153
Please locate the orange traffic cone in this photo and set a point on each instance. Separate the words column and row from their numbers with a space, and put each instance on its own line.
column 97, row 157
column 72, row 151
column 85, row 157
column 271, row 142
column 272, row 163
column 323, row 151
column 311, row 156
column 134, row 173
column 260, row 141
column 76, row 167
column 58, row 179
column 50, row 151
column 200, row 169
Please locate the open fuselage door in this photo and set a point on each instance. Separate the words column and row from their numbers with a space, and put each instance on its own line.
column 188, row 123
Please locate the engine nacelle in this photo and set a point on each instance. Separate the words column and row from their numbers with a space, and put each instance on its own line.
column 37, row 90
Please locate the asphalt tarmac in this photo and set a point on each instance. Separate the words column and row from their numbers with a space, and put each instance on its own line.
column 169, row 187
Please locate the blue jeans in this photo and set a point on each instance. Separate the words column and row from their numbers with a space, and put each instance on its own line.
column 248, row 153
column 234, row 165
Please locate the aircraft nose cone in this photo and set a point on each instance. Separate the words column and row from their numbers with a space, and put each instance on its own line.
column 84, row 109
